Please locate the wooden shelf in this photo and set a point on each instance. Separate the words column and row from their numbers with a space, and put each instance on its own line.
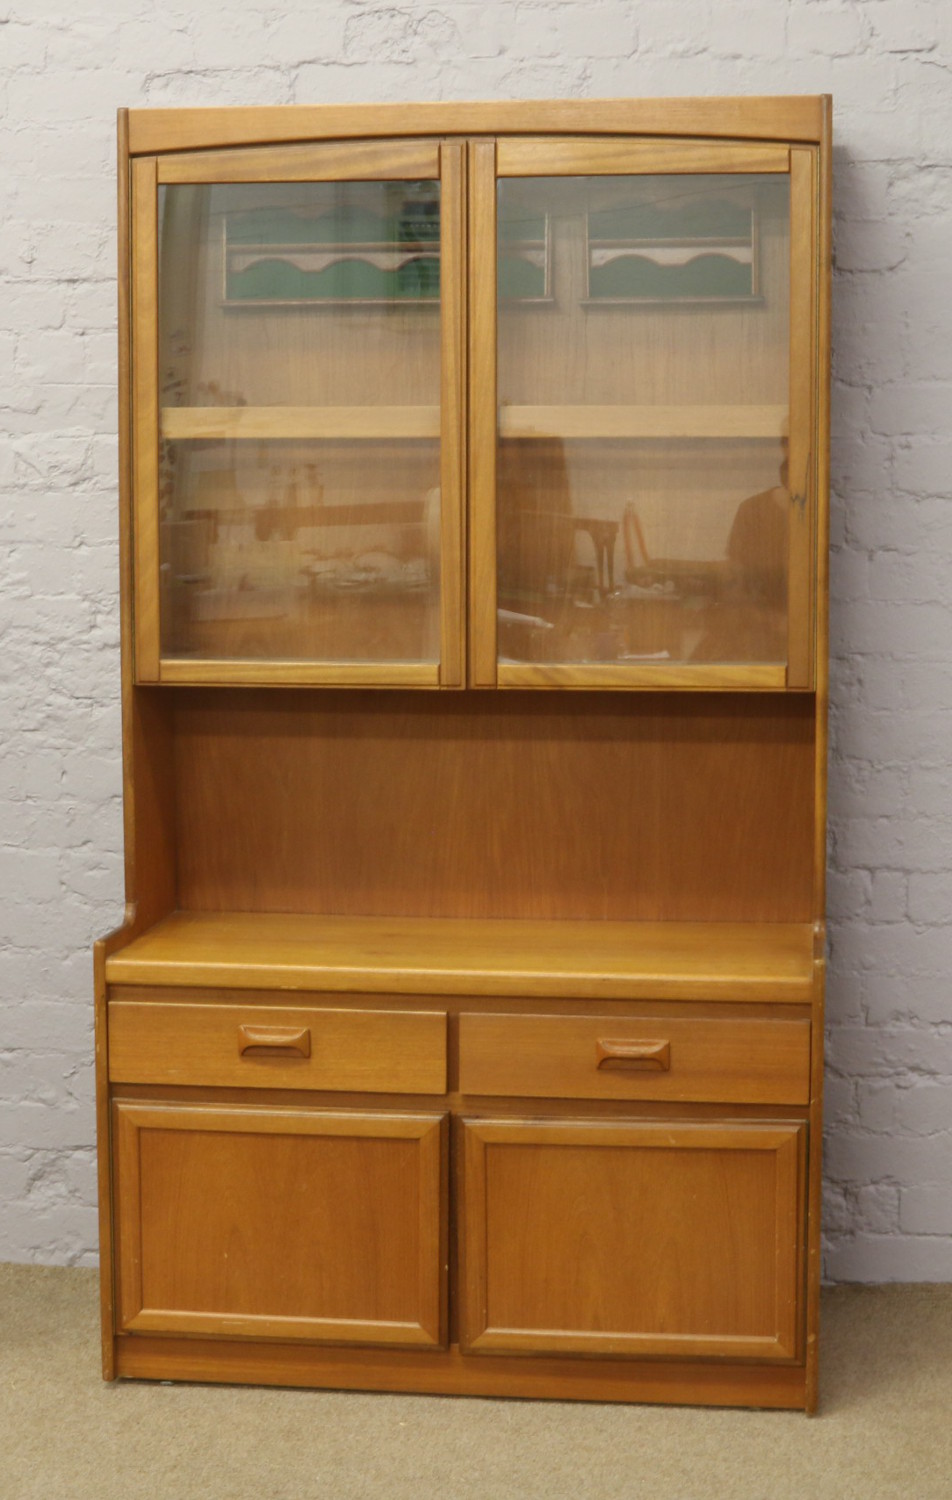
column 642, row 421
column 731, row 961
column 298, row 422
column 223, row 422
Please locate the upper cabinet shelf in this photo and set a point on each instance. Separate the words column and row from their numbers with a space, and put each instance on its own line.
column 507, row 411
column 300, row 422
column 612, row 421
column 727, row 422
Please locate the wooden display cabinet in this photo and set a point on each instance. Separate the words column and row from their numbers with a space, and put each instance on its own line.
column 464, row 1031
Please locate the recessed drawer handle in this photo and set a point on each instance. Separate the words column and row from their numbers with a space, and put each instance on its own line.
column 275, row 1039
column 620, row 1056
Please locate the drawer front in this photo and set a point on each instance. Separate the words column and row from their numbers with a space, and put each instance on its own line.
column 277, row 1047
column 650, row 1057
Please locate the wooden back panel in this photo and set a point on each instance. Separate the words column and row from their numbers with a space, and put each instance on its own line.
column 590, row 806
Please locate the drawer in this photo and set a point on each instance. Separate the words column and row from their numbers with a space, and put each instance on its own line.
column 731, row 1061
column 277, row 1047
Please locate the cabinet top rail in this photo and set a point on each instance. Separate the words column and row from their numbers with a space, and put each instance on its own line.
column 796, row 117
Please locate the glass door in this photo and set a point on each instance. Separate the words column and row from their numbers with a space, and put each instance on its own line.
column 297, row 395
column 643, row 392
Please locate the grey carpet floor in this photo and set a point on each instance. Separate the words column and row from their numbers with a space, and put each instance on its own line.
column 884, row 1429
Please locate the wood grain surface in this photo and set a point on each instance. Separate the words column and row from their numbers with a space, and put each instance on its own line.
column 521, row 157
column 797, row 117
column 525, row 807
column 394, row 1052
column 450, row 1373
column 587, row 923
column 322, row 1226
column 317, row 161
column 582, row 1237
column 561, row 1057
column 145, row 417
column 666, row 960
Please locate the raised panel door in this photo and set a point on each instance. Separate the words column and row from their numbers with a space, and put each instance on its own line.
column 280, row 1223
column 632, row 1238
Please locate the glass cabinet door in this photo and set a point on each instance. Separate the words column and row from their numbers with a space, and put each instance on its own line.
column 643, row 394
column 297, row 479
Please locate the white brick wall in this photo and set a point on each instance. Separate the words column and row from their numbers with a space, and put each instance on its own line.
column 65, row 65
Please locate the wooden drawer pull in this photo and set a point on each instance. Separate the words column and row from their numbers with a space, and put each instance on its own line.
column 275, row 1039
column 644, row 1056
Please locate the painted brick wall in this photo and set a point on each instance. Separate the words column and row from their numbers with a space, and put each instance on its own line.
column 64, row 67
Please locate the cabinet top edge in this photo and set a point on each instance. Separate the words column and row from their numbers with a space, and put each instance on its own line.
column 795, row 117
column 469, row 956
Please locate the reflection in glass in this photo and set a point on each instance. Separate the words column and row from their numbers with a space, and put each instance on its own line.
column 299, row 368
column 642, row 491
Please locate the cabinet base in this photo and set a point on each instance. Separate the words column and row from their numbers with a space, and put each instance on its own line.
column 449, row 1373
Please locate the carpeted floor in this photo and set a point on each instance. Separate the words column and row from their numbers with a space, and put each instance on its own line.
column 884, row 1429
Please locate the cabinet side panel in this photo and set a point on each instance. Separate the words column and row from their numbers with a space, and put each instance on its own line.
column 824, row 279
column 147, row 788
column 814, row 1247
column 147, row 780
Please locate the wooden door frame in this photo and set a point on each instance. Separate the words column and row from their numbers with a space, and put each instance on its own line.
column 491, row 161
column 374, row 160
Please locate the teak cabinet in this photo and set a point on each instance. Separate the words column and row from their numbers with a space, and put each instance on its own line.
column 464, row 1030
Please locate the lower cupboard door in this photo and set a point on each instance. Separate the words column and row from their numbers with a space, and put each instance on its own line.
column 280, row 1223
column 610, row 1238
